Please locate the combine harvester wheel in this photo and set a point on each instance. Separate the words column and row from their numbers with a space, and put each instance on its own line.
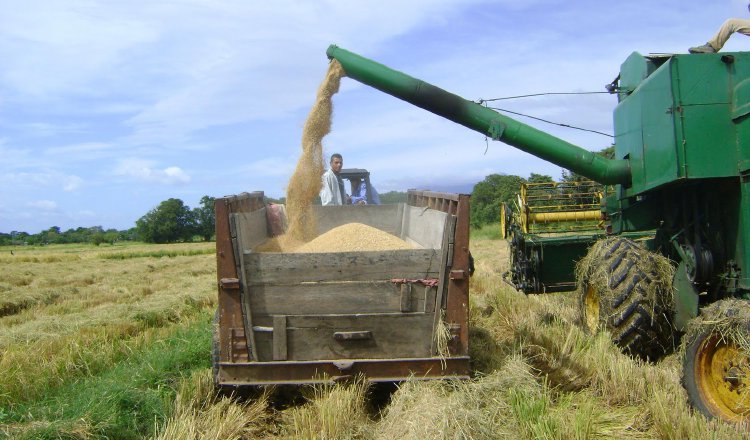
column 716, row 366
column 622, row 290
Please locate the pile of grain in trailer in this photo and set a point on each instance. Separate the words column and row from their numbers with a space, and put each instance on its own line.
column 306, row 182
column 354, row 237
column 282, row 243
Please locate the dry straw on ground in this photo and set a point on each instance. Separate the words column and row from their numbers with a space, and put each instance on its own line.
column 198, row 413
column 729, row 318
column 523, row 348
column 68, row 312
column 305, row 183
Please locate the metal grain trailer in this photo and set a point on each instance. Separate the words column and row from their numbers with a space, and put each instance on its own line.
column 296, row 318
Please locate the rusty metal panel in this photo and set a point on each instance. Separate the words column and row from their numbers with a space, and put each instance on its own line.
column 381, row 370
column 457, row 306
column 229, row 308
column 457, row 300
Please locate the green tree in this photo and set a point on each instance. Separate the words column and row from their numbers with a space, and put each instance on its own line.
column 98, row 239
column 170, row 222
column 540, row 178
column 393, row 197
column 489, row 193
column 52, row 235
column 205, row 218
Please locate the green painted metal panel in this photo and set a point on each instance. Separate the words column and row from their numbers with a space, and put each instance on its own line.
column 628, row 136
column 645, row 132
column 742, row 253
column 741, row 118
column 634, row 70
column 685, row 120
column 704, row 88
column 685, row 299
column 709, row 142
column 559, row 255
column 660, row 159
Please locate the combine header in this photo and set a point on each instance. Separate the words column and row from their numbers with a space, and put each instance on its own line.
column 551, row 222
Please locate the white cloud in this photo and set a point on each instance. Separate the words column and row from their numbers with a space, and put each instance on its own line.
column 40, row 180
column 84, row 151
column 145, row 171
column 72, row 183
column 62, row 48
column 42, row 205
column 85, row 214
column 52, row 129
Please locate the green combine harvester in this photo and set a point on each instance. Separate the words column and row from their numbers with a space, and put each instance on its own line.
column 671, row 258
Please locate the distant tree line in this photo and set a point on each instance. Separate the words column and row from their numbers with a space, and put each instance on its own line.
column 54, row 235
column 171, row 221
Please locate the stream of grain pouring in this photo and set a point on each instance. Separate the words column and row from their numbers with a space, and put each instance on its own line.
column 306, row 183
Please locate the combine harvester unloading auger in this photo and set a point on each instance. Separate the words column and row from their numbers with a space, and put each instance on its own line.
column 681, row 177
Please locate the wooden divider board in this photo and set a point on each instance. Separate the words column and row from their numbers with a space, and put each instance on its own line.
column 313, row 337
column 341, row 298
column 384, row 217
column 285, row 268
column 423, row 227
column 252, row 227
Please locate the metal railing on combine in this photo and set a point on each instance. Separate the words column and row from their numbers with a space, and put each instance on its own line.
column 555, row 207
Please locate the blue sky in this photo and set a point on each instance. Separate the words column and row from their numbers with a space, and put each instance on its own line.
column 108, row 108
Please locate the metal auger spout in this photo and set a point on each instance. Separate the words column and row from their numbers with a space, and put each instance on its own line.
column 481, row 119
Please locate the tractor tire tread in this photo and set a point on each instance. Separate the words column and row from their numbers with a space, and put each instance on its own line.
column 637, row 327
column 621, row 272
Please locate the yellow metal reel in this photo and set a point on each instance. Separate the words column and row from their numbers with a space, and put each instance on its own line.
column 562, row 216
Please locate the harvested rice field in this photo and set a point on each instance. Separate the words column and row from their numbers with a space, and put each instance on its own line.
column 114, row 342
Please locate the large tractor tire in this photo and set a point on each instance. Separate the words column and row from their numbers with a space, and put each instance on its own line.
column 622, row 290
column 716, row 366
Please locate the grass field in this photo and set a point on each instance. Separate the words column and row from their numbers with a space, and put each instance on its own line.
column 114, row 342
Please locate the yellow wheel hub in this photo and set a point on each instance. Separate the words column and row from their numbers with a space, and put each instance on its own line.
column 723, row 378
column 591, row 308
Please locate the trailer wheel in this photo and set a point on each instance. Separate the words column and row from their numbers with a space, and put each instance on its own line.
column 716, row 367
column 617, row 294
